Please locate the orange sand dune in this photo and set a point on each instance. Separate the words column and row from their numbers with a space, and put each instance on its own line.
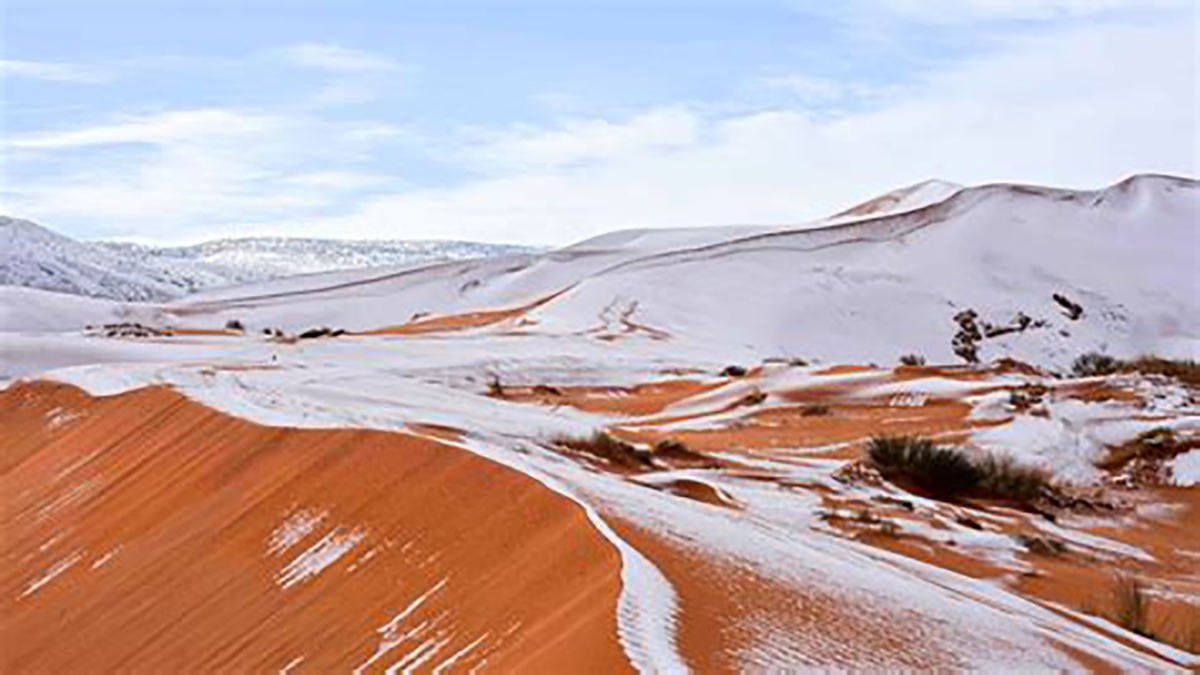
column 463, row 321
column 644, row 399
column 144, row 532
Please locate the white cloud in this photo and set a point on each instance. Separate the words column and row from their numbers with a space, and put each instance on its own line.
column 156, row 129
column 976, row 10
column 820, row 91
column 189, row 173
column 337, row 59
column 53, row 72
column 1082, row 108
column 338, row 179
column 581, row 141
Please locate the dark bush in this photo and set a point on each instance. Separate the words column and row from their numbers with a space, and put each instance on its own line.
column 752, row 399
column 672, row 450
column 935, row 469
column 1093, row 364
column 318, row 332
column 234, row 324
column 1043, row 546
column 1000, row 476
column 949, row 472
column 733, row 371
column 495, row 388
column 1184, row 370
column 815, row 410
column 912, row 360
column 604, row 446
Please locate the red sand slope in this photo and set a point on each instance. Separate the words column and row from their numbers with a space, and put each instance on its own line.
column 137, row 534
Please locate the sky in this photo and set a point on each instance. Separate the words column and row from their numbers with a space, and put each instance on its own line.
column 548, row 121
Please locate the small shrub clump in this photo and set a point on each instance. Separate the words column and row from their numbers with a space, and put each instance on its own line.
column 671, row 450
column 754, row 398
column 936, row 469
column 815, row 410
column 734, row 371
column 1093, row 364
column 1131, row 605
column 912, row 360
column 1043, row 546
column 1184, row 370
column 604, row 446
column 495, row 388
column 949, row 472
column 1001, row 476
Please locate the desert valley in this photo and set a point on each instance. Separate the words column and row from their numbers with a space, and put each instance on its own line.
column 950, row 428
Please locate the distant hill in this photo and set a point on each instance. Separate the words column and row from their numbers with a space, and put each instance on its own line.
column 36, row 257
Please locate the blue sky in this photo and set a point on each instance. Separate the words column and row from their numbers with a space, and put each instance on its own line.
column 545, row 122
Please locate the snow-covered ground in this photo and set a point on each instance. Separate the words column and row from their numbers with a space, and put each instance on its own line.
column 885, row 279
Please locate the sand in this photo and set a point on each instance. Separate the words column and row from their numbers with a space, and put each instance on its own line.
column 146, row 532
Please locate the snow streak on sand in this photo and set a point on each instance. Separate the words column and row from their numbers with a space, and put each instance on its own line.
column 293, row 530
column 319, row 556
column 51, row 574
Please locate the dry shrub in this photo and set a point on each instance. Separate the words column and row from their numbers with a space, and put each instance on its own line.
column 949, row 472
column 754, row 398
column 938, row 470
column 604, row 446
column 1043, row 546
column 1000, row 476
column 1130, row 604
column 1093, row 364
column 678, row 452
column 1184, row 370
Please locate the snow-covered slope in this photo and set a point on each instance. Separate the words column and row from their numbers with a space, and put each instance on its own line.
column 840, row 290
column 260, row 258
column 33, row 256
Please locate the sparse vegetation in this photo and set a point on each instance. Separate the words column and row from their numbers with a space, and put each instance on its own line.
column 672, row 450
column 1154, row 445
column 608, row 448
column 1184, row 370
column 234, row 324
column 1002, row 477
column 320, row 332
column 815, row 410
column 754, row 398
column 733, row 371
column 1127, row 603
column 1094, row 364
column 1043, row 546
column 949, row 472
column 939, row 470
column 912, row 360
column 1025, row 397
column 1131, row 604
column 495, row 388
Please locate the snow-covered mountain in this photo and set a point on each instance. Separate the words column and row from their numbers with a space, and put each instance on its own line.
column 36, row 257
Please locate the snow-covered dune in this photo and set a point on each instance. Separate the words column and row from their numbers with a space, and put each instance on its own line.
column 856, row 287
